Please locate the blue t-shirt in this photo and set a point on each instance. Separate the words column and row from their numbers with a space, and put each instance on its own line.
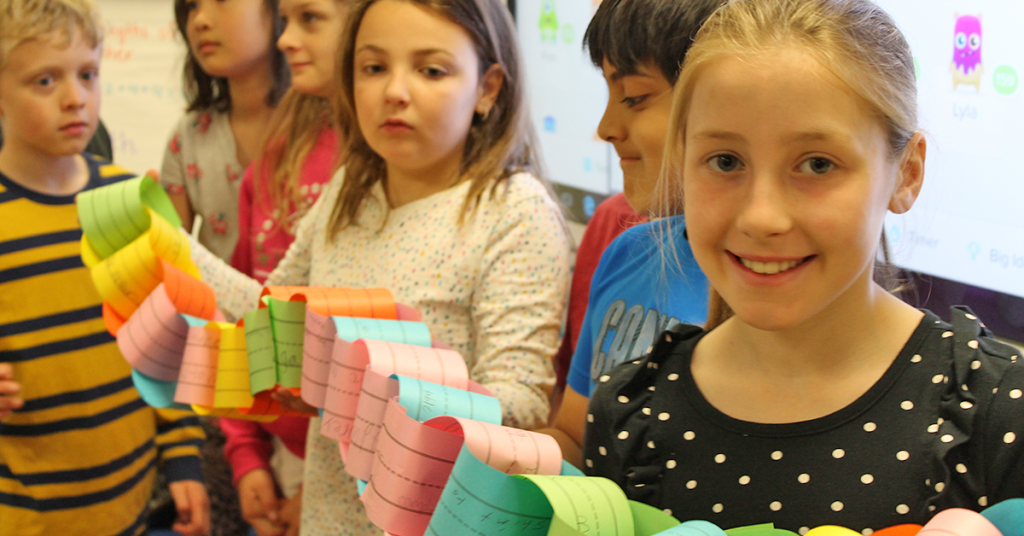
column 639, row 290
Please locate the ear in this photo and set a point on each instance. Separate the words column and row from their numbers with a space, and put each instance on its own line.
column 487, row 91
column 911, row 175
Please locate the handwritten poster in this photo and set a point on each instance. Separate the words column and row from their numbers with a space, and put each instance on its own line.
column 140, row 77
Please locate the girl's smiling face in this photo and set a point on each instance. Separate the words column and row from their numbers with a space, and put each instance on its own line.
column 417, row 83
column 310, row 41
column 787, row 179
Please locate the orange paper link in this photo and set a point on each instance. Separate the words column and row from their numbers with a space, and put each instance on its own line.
column 111, row 320
column 189, row 295
column 340, row 301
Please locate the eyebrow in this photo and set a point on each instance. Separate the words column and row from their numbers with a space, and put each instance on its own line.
column 718, row 135
column 418, row 53
column 620, row 74
column 799, row 137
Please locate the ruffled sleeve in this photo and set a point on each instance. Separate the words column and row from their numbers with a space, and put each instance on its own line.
column 619, row 443
column 978, row 438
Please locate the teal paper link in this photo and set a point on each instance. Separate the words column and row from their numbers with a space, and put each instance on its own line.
column 157, row 393
column 352, row 329
column 1007, row 516
column 569, row 469
column 424, row 400
column 360, row 486
column 479, row 499
column 693, row 528
column 193, row 321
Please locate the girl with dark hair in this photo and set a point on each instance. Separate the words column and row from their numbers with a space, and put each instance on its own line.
column 233, row 78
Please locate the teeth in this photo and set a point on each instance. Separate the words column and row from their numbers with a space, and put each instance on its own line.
column 770, row 268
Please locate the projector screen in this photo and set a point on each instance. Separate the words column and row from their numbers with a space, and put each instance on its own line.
column 964, row 239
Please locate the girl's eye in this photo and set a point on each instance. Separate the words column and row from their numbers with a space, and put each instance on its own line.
column 89, row 76
column 191, row 6
column 309, row 17
column 45, row 81
column 634, row 101
column 816, row 166
column 433, row 72
column 373, row 68
column 725, row 163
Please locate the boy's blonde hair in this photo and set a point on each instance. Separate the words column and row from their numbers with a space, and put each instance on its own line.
column 25, row 20
column 854, row 39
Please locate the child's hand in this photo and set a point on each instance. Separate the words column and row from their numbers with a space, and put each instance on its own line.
column 258, row 496
column 193, row 508
column 290, row 401
column 8, row 388
column 291, row 514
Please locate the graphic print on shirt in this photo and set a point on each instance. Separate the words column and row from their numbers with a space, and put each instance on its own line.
column 631, row 333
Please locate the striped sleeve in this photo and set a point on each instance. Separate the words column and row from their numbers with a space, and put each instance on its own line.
column 80, row 456
column 179, row 437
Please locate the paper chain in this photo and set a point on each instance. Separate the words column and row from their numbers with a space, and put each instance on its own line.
column 423, row 439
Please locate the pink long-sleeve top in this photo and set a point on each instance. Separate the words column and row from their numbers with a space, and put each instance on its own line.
column 262, row 243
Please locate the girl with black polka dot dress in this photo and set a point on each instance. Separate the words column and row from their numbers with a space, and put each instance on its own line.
column 813, row 396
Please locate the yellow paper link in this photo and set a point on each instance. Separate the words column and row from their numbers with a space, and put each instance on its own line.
column 127, row 277
column 115, row 215
column 232, row 387
column 231, row 413
column 89, row 256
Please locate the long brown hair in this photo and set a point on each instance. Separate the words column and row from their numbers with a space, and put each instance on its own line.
column 854, row 39
column 497, row 146
column 293, row 131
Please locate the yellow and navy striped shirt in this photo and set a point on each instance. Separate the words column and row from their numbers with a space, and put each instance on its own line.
column 80, row 457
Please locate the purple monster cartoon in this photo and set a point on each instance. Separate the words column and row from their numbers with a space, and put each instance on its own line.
column 966, row 67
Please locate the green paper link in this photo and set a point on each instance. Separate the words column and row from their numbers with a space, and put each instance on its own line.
column 113, row 216
column 259, row 345
column 288, row 326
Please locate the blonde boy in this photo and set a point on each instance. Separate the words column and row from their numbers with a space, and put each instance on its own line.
column 78, row 447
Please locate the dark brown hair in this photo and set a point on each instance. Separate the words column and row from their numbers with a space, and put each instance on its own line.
column 203, row 91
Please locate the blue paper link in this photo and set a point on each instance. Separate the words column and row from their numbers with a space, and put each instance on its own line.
column 479, row 499
column 156, row 393
column 424, row 400
column 352, row 329
column 693, row 528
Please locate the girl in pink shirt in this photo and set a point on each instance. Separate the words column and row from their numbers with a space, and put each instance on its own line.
column 298, row 157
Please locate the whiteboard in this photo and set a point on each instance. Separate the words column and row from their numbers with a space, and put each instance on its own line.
column 140, row 75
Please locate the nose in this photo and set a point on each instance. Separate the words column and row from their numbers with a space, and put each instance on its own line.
column 199, row 17
column 396, row 93
column 288, row 43
column 612, row 126
column 74, row 96
column 767, row 208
